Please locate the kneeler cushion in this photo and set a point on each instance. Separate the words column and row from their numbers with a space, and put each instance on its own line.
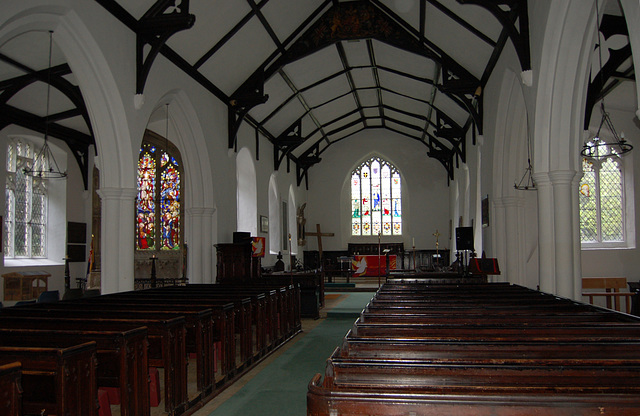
column 154, row 387
column 103, row 401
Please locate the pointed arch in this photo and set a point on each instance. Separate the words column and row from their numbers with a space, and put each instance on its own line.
column 109, row 123
column 247, row 193
column 185, row 131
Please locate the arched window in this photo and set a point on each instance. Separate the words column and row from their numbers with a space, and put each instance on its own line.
column 247, row 194
column 274, row 216
column 602, row 203
column 25, row 221
column 376, row 205
column 159, row 210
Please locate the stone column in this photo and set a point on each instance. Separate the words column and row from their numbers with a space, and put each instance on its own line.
column 117, row 242
column 546, row 241
column 499, row 225
column 515, row 258
column 199, row 263
column 564, row 230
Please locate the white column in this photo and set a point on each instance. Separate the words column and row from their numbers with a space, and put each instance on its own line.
column 514, row 258
column 546, row 242
column 117, row 242
column 199, row 245
column 499, row 224
column 564, row 230
column 577, row 244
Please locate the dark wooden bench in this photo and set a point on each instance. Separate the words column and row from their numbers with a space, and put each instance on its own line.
column 121, row 357
column 366, row 388
column 270, row 303
column 225, row 310
column 11, row 389
column 417, row 349
column 502, row 350
column 57, row 377
column 166, row 341
column 197, row 321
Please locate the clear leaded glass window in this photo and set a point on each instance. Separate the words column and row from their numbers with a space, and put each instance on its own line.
column 602, row 215
column 376, row 206
column 25, row 223
column 158, row 204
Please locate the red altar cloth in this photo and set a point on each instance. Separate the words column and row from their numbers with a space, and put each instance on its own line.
column 368, row 265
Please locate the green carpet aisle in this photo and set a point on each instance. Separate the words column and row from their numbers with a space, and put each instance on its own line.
column 281, row 388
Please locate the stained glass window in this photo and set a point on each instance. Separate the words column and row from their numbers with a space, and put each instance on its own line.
column 25, row 222
column 376, row 206
column 602, row 213
column 158, row 204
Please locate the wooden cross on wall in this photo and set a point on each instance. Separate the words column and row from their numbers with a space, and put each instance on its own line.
column 319, row 234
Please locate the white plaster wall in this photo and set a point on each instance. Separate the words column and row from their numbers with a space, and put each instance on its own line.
column 425, row 195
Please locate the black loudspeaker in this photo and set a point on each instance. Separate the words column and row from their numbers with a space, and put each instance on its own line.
column 241, row 237
column 464, row 238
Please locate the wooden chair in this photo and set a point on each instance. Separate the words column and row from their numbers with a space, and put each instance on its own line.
column 611, row 286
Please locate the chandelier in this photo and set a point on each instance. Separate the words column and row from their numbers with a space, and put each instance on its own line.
column 595, row 147
column 44, row 164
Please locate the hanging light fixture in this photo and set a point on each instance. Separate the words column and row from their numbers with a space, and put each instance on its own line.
column 595, row 147
column 44, row 164
column 526, row 182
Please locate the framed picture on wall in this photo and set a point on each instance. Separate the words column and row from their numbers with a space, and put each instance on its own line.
column 264, row 224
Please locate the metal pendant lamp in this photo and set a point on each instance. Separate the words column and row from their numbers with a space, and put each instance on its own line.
column 595, row 147
column 45, row 165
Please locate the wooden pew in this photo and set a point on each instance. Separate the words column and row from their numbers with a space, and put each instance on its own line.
column 250, row 311
column 166, row 341
column 57, row 377
column 121, row 357
column 11, row 389
column 499, row 351
column 358, row 387
column 197, row 321
column 270, row 303
column 224, row 312
column 416, row 349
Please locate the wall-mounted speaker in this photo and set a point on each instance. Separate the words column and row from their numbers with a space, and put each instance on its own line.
column 241, row 237
column 464, row 238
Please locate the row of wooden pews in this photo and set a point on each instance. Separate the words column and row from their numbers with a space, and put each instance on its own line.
column 481, row 349
column 71, row 351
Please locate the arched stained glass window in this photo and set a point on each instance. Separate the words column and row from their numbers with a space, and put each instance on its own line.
column 376, row 200
column 158, row 204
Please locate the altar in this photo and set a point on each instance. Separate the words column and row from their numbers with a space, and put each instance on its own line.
column 372, row 265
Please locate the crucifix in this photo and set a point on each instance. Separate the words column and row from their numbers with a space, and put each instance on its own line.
column 319, row 234
column 437, row 236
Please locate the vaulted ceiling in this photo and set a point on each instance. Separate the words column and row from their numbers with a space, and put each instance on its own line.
column 306, row 74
